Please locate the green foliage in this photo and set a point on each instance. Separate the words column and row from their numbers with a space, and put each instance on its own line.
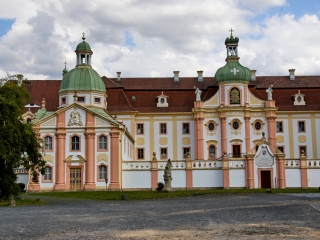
column 21, row 186
column 19, row 145
column 160, row 186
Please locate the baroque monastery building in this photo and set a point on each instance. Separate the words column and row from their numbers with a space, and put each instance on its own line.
column 234, row 130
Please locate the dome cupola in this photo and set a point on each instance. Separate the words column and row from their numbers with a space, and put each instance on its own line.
column 233, row 71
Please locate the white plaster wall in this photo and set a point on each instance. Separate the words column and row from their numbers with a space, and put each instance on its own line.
column 237, row 178
column 307, row 133
column 293, row 178
column 23, row 178
column 313, row 177
column 318, row 135
column 169, row 136
column 208, row 137
column 178, row 179
column 136, row 179
column 180, row 135
column 231, row 136
column 285, row 134
column 253, row 135
column 82, row 144
column 207, row 178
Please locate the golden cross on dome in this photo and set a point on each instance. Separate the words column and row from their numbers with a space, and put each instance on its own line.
column 83, row 36
column 231, row 32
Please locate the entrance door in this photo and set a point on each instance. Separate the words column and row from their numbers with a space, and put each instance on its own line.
column 75, row 178
column 265, row 179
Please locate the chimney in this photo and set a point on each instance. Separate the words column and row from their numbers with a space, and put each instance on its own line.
column 118, row 76
column 200, row 76
column 291, row 74
column 176, row 76
column 253, row 75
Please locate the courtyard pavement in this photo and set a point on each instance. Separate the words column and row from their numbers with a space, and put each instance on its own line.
column 216, row 216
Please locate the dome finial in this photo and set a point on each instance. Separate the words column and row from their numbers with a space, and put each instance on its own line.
column 83, row 36
column 231, row 32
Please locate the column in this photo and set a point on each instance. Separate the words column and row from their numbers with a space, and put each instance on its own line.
column 154, row 173
column 281, row 171
column 247, row 131
column 199, row 145
column 250, row 171
column 60, row 164
column 90, row 163
column 272, row 132
column 189, row 175
column 225, row 171
column 114, row 161
column 223, row 134
column 303, row 171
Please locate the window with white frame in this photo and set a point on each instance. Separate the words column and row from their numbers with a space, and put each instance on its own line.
column 103, row 142
column 140, row 128
column 212, row 151
column 48, row 143
column 47, row 173
column 186, row 128
column 102, row 172
column 75, row 143
column 163, row 128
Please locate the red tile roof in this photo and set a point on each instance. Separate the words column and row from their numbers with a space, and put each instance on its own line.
column 140, row 94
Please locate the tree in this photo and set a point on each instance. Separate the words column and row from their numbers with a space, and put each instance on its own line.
column 19, row 145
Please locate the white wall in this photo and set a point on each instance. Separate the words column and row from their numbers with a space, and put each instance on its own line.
column 293, row 178
column 136, row 179
column 313, row 177
column 207, row 178
column 178, row 179
column 237, row 177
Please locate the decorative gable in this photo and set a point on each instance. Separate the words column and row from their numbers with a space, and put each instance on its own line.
column 162, row 100
column 299, row 99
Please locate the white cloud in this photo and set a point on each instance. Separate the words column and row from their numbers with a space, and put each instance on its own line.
column 184, row 35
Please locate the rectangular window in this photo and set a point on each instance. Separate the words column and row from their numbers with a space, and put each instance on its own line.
column 63, row 100
column 102, row 172
column 103, row 142
column 163, row 128
column 236, row 153
column 303, row 149
column 80, row 99
column 279, row 127
column 75, row 143
column 48, row 143
column 281, row 148
column 47, row 174
column 97, row 100
column 140, row 153
column 163, row 153
column 140, row 128
column 185, row 127
column 186, row 152
column 301, row 125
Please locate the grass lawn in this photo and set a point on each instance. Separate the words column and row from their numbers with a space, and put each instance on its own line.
column 21, row 201
column 138, row 195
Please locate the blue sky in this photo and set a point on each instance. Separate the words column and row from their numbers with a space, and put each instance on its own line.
column 146, row 38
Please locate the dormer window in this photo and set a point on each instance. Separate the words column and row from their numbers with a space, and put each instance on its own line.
column 299, row 99
column 81, row 99
column 63, row 100
column 97, row 100
column 162, row 100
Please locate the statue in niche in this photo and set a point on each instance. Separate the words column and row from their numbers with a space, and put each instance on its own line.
column 167, row 177
column 269, row 91
column 198, row 94
column 75, row 118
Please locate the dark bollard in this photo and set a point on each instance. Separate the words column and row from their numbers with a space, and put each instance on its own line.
column 124, row 197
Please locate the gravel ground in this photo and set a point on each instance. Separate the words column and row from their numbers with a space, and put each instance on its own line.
column 228, row 216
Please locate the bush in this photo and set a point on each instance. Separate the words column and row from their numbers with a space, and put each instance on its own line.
column 22, row 186
column 160, row 186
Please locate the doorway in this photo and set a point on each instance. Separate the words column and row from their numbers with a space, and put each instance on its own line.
column 75, row 178
column 265, row 179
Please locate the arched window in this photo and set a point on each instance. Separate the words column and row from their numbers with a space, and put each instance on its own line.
column 28, row 120
column 47, row 173
column 103, row 142
column 234, row 96
column 75, row 143
column 102, row 172
column 48, row 143
column 212, row 151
